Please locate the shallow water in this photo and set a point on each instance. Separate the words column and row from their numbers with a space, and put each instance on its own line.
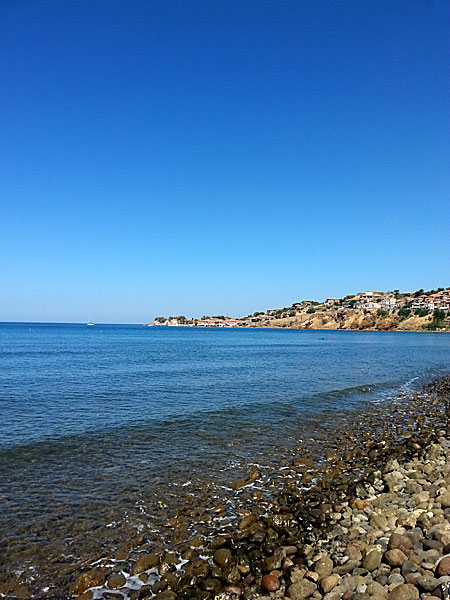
column 103, row 426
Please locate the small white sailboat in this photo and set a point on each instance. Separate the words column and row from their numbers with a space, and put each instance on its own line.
column 89, row 324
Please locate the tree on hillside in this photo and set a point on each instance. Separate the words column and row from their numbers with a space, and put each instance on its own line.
column 404, row 313
column 438, row 319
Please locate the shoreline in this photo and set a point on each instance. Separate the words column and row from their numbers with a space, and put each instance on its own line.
column 275, row 525
column 272, row 548
column 349, row 330
column 299, row 329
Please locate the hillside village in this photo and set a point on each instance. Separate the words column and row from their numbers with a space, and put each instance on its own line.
column 370, row 310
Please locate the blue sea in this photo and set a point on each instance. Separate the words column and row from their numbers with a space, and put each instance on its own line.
column 98, row 424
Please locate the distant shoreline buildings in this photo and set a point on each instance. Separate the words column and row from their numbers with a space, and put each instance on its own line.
column 385, row 303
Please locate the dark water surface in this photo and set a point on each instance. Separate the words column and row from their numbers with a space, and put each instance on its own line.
column 102, row 426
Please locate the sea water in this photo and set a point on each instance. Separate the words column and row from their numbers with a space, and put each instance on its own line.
column 98, row 424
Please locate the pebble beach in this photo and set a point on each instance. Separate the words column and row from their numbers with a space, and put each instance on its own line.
column 370, row 520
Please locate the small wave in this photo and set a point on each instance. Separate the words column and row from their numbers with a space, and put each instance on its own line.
column 367, row 388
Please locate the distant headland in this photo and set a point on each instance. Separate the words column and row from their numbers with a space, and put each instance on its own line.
column 370, row 310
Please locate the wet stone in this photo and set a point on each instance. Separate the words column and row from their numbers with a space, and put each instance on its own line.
column 232, row 575
column 248, row 521
column 223, row 557
column 233, row 590
column 272, row 562
column 144, row 592
column 197, row 567
column 116, row 581
column 159, row 586
column 213, row 585
column 145, row 562
column 92, row 578
column 166, row 595
column 270, row 583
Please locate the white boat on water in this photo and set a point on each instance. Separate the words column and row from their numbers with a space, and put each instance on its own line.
column 90, row 324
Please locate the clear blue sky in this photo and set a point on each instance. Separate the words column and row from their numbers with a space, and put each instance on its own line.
column 162, row 157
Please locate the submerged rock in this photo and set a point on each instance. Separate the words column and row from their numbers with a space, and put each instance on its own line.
column 92, row 578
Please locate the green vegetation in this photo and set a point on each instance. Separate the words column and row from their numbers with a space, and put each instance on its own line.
column 382, row 313
column 404, row 313
column 438, row 320
column 311, row 310
column 421, row 312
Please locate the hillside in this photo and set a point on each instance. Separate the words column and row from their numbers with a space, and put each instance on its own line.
column 348, row 319
column 370, row 310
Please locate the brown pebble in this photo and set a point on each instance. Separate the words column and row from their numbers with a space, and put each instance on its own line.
column 270, row 583
column 116, row 581
column 401, row 542
column 92, row 578
column 443, row 567
column 234, row 589
column 404, row 591
column 395, row 557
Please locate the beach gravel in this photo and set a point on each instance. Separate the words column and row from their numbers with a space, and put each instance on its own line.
column 370, row 522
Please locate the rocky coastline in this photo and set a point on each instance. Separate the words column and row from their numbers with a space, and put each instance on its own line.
column 369, row 521
column 365, row 517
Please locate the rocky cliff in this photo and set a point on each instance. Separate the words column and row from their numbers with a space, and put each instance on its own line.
column 349, row 319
